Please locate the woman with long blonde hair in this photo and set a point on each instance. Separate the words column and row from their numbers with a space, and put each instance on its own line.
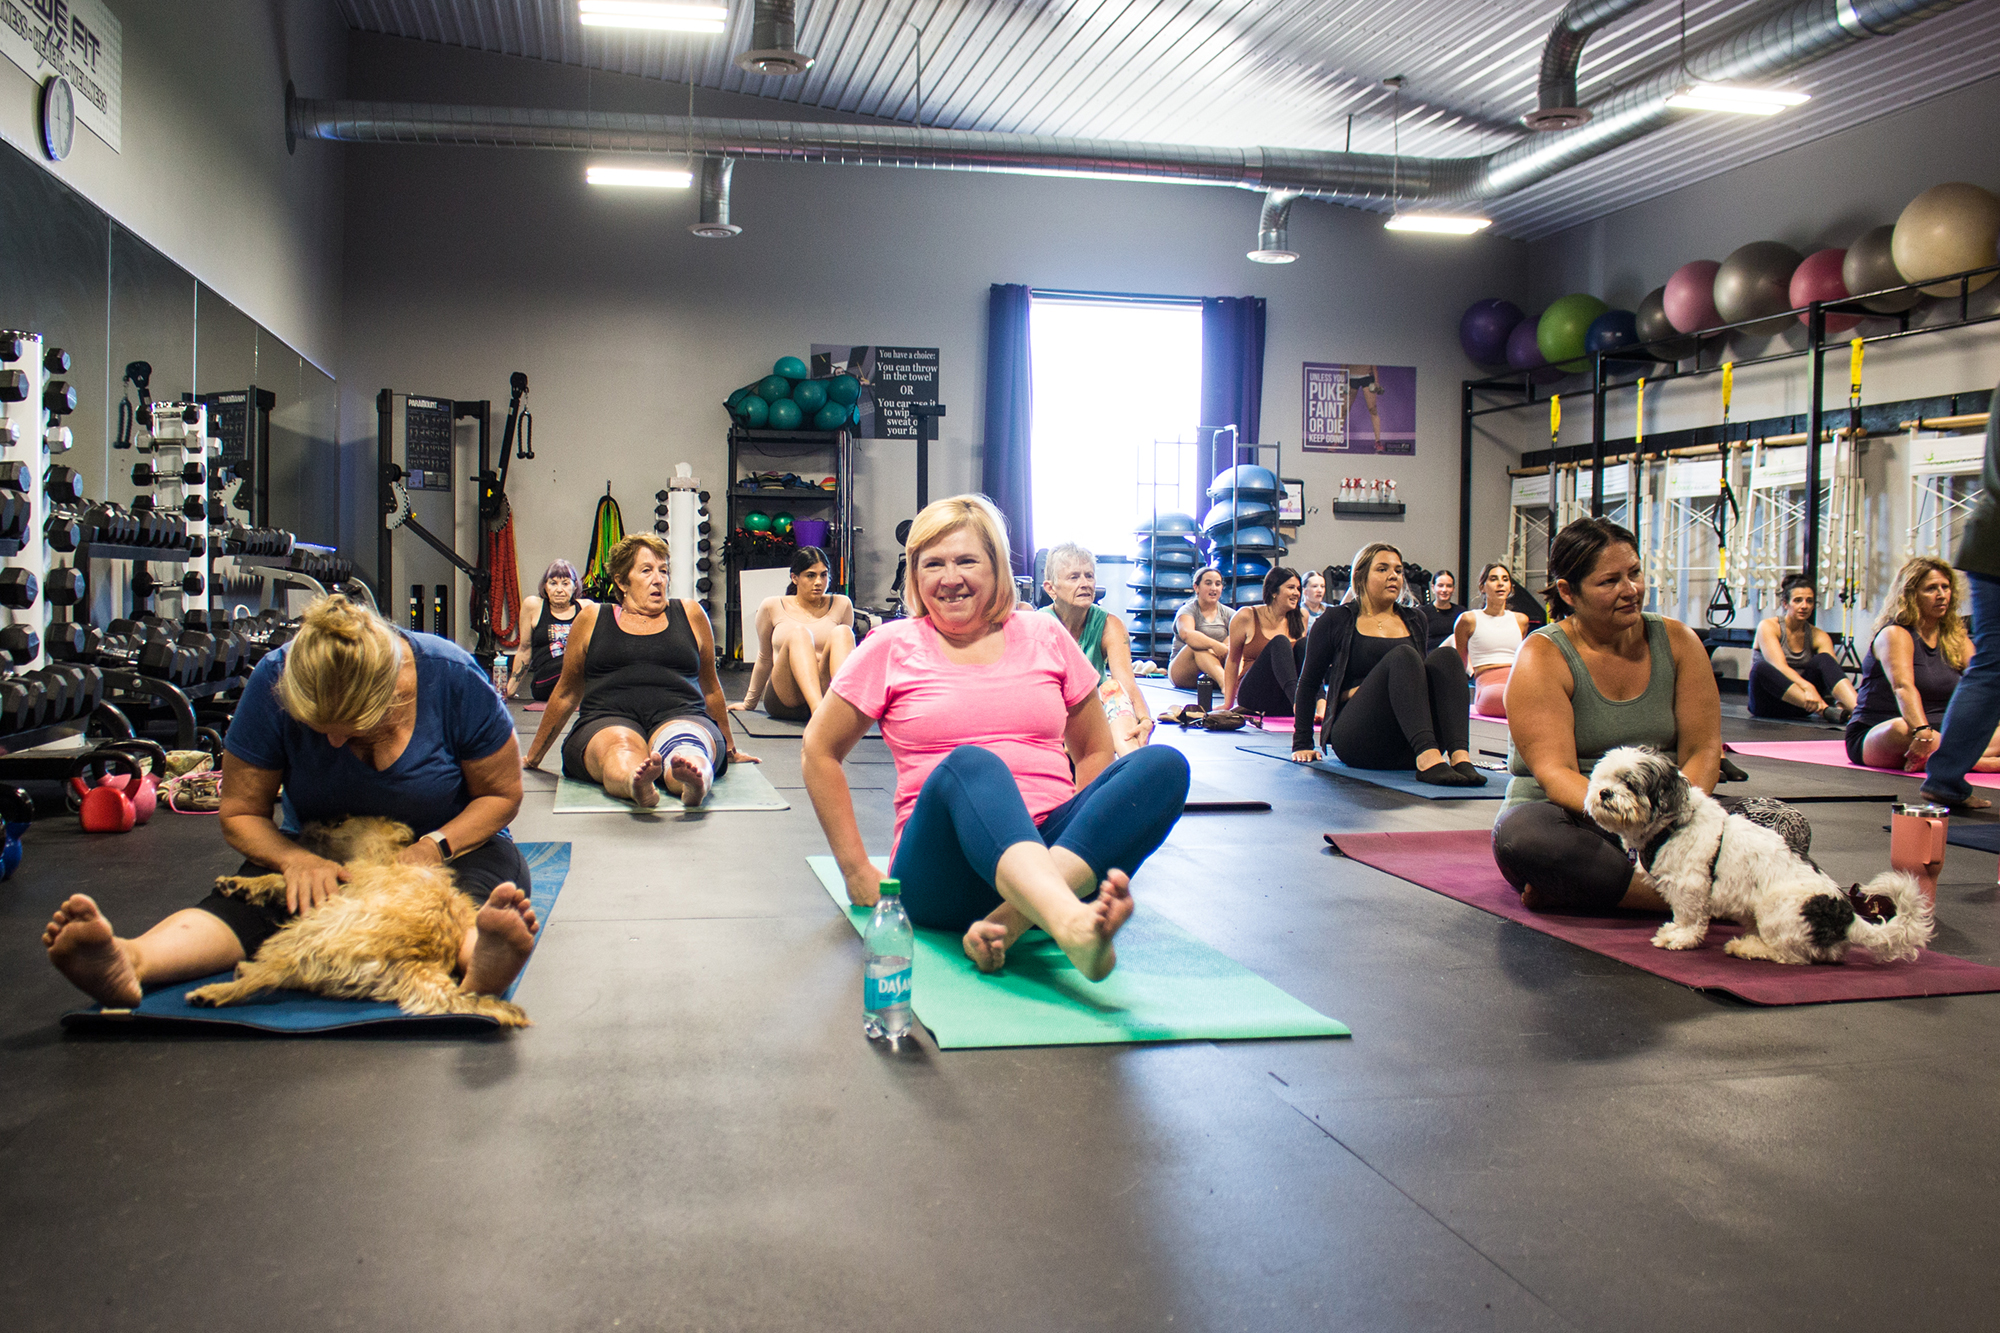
column 1913, row 665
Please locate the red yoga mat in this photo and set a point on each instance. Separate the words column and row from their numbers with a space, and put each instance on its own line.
column 1459, row 864
column 1833, row 754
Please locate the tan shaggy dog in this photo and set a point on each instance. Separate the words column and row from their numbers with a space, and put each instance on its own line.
column 393, row 932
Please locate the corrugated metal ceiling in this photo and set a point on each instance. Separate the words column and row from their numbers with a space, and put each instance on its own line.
column 1287, row 73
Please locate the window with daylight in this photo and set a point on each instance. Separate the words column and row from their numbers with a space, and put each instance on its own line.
column 1112, row 374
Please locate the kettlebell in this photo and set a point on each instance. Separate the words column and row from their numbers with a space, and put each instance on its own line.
column 18, row 809
column 145, row 788
column 105, row 808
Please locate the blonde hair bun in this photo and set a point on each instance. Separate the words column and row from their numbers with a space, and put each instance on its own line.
column 341, row 668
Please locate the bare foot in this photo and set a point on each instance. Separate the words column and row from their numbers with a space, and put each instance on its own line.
column 691, row 775
column 82, row 947
column 505, row 937
column 644, row 793
column 1090, row 946
column 986, row 945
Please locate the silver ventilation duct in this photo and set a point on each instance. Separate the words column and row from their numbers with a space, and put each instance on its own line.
column 772, row 35
column 1556, row 105
column 1790, row 39
column 713, row 178
column 1273, row 221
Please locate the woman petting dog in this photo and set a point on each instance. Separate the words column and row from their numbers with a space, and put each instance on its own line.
column 984, row 705
column 1599, row 676
column 802, row 638
column 640, row 677
column 352, row 717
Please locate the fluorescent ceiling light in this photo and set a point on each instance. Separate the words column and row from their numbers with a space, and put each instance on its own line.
column 654, row 14
column 1737, row 100
column 650, row 177
column 1441, row 224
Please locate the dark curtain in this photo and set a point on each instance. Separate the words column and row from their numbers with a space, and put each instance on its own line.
column 1004, row 471
column 1232, row 378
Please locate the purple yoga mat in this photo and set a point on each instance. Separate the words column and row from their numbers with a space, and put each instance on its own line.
column 1832, row 754
column 1459, row 865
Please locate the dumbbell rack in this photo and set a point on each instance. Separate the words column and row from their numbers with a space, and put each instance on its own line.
column 183, row 458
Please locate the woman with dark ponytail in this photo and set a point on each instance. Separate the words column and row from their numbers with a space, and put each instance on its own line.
column 1261, row 672
column 802, row 638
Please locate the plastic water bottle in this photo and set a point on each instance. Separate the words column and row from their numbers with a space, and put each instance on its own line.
column 885, row 982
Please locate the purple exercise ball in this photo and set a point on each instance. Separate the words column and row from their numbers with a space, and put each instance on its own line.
column 1484, row 328
column 1689, row 297
column 1524, row 352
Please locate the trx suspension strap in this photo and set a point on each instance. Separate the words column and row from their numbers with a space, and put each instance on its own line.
column 1721, row 606
column 1844, row 654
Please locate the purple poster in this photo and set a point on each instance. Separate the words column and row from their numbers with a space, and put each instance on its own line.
column 1353, row 409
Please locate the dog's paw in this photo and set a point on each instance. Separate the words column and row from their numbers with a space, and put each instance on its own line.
column 1671, row 936
column 206, row 996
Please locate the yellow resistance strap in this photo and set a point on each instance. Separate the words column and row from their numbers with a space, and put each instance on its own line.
column 1639, row 431
column 1555, row 418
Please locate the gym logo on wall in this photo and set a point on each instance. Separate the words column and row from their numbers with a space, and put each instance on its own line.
column 81, row 41
column 1360, row 409
column 893, row 380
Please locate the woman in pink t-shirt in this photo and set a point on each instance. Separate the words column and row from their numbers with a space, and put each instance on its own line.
column 983, row 707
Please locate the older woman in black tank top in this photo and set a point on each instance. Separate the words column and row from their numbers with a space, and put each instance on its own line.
column 640, row 674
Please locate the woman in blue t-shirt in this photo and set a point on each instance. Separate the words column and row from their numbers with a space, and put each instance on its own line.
column 352, row 717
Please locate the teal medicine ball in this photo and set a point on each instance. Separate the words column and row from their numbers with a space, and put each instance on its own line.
column 773, row 387
column 831, row 417
column 785, row 415
column 753, row 411
column 810, row 395
column 790, row 367
column 843, row 389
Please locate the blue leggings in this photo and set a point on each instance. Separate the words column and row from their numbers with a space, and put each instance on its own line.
column 970, row 811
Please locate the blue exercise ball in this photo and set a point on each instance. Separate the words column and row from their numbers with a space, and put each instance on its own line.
column 1254, row 539
column 1171, row 524
column 1484, row 328
column 1612, row 330
column 1172, row 580
column 1223, row 513
column 1174, row 557
column 1524, row 352
column 1251, row 567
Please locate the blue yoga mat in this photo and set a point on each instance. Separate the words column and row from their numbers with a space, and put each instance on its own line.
column 1396, row 779
column 298, row 1012
column 1978, row 835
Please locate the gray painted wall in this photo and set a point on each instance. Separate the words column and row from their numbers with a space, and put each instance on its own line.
column 203, row 174
column 463, row 265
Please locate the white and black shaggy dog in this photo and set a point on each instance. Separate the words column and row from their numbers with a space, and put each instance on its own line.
column 1708, row 863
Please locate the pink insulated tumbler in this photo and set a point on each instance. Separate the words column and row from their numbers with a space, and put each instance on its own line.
column 1916, row 842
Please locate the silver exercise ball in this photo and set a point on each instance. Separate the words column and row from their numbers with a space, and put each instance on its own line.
column 1755, row 282
column 1871, row 265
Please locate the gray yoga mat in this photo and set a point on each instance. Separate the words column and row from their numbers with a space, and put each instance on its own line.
column 1396, row 779
column 756, row 722
column 743, row 787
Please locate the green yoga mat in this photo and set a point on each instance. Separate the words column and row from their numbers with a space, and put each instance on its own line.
column 743, row 787
column 1168, row 986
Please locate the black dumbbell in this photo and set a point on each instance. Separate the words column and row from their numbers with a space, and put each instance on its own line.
column 191, row 583
column 18, row 708
column 218, row 514
column 62, row 532
column 15, row 477
column 62, row 690
column 56, row 361
column 18, row 588
column 64, row 640
column 62, row 485
column 206, row 647
column 14, row 386
column 14, row 515
column 660, row 525
column 143, row 504
column 93, row 689
column 145, row 583
column 190, row 414
column 20, row 643
column 159, row 659
column 65, row 586
column 193, row 506
column 197, row 545
column 59, row 398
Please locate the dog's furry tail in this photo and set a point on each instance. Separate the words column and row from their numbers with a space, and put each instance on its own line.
column 1903, row 934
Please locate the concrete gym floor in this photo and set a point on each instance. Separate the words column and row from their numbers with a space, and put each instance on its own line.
column 695, row 1134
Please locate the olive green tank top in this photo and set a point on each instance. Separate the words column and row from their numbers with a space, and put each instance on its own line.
column 1091, row 641
column 1603, row 724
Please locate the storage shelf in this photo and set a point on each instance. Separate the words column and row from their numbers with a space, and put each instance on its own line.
column 1368, row 509
column 158, row 555
column 773, row 493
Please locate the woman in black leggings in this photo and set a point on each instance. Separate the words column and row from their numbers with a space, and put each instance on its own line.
column 1389, row 706
column 1266, row 644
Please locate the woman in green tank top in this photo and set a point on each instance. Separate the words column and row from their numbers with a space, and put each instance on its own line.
column 1070, row 580
column 1602, row 675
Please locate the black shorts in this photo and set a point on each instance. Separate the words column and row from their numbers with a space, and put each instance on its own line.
column 646, row 724
column 775, row 707
column 479, row 871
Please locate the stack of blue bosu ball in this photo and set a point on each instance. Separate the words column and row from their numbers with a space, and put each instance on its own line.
column 1241, row 526
column 1162, row 579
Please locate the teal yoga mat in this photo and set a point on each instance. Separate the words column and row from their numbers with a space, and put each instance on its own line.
column 1396, row 779
column 743, row 787
column 1168, row 986
column 296, row 1012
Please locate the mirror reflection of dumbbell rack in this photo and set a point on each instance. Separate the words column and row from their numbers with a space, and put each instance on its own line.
column 182, row 457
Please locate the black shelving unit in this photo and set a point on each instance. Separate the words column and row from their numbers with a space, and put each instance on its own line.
column 783, row 451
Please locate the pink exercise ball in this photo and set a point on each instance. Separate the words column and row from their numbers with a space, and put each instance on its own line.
column 1690, row 296
column 1818, row 279
column 1947, row 229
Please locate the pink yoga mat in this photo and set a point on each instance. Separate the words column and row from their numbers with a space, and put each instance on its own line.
column 1459, row 864
column 1832, row 754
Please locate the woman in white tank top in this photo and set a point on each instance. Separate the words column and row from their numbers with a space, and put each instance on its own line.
column 1488, row 638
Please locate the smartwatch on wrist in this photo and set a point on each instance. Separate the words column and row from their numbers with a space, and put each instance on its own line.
column 443, row 843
